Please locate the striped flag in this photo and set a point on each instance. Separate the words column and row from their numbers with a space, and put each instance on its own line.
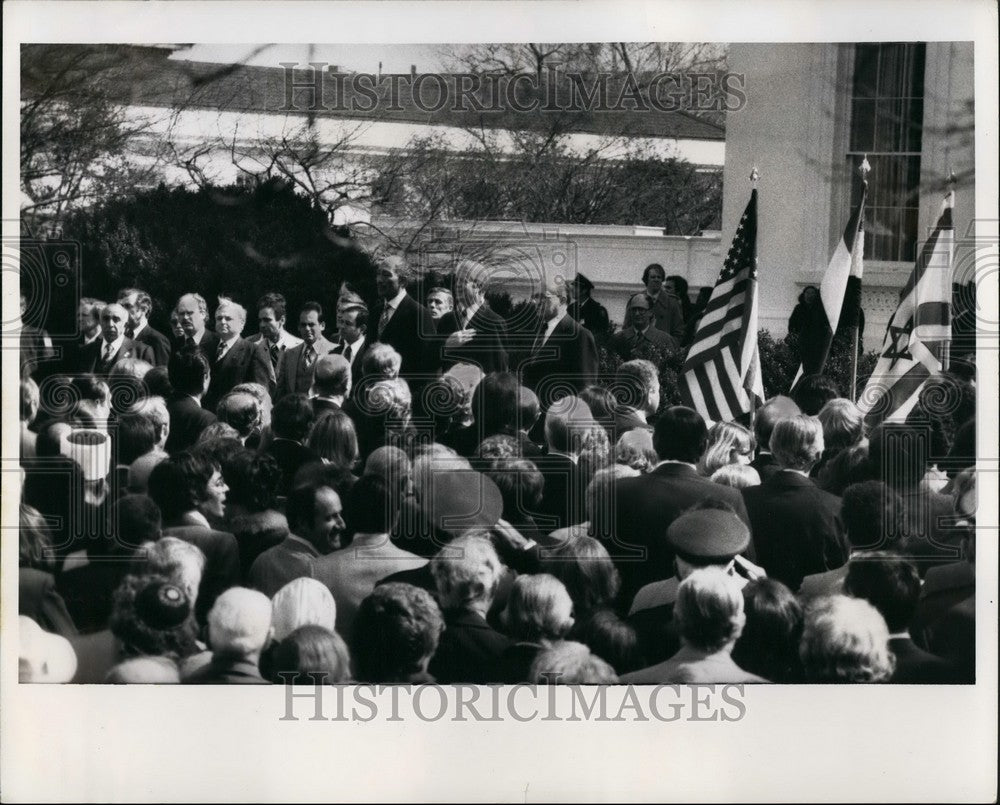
column 721, row 376
column 916, row 341
column 840, row 291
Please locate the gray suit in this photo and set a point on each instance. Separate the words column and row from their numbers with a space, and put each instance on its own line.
column 294, row 377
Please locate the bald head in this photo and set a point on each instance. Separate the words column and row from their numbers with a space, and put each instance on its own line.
column 113, row 320
column 332, row 376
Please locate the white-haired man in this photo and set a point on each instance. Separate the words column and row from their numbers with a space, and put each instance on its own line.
column 236, row 360
column 100, row 355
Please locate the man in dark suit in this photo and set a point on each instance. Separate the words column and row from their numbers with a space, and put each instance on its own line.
column 891, row 584
column 564, row 488
column 796, row 526
column 138, row 305
column 190, row 376
column 764, row 421
column 586, row 310
column 271, row 323
column 637, row 389
column 192, row 313
column 291, row 421
column 644, row 507
column 665, row 307
column 352, row 327
column 99, row 356
column 563, row 356
column 296, row 365
column 236, row 360
column 471, row 332
column 88, row 323
column 331, row 384
column 403, row 323
column 642, row 339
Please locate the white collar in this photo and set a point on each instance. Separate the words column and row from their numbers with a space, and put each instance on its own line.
column 672, row 461
column 116, row 345
column 395, row 302
column 139, row 329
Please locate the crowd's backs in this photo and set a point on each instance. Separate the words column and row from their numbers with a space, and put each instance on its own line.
column 384, row 512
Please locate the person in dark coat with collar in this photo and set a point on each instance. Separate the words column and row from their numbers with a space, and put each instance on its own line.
column 466, row 574
column 665, row 307
column 403, row 323
column 764, row 421
column 796, row 526
column 645, row 506
column 100, row 355
column 189, row 375
column 587, row 310
column 563, row 355
column 892, row 585
column 471, row 332
column 192, row 316
column 236, row 360
column 138, row 304
column 642, row 339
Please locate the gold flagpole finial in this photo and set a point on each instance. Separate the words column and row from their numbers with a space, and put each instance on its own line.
column 864, row 168
column 754, row 176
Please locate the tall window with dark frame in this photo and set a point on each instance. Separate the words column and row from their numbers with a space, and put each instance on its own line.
column 887, row 111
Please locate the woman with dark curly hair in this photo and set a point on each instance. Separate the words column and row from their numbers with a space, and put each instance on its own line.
column 251, row 513
column 397, row 629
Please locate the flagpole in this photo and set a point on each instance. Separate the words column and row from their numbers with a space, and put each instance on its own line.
column 946, row 347
column 864, row 168
column 754, row 176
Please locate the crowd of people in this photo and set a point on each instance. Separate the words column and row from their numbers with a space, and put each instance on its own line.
column 407, row 492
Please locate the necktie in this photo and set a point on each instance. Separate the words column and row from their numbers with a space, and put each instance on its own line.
column 130, row 331
column 108, row 352
column 310, row 356
column 346, row 351
column 384, row 320
column 189, row 341
column 275, row 354
column 222, row 350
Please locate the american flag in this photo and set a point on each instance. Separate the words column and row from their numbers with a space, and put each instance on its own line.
column 721, row 376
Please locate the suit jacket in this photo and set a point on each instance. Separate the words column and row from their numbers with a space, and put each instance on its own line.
column 222, row 563
column 321, row 406
column 644, row 507
column 187, row 420
column 914, row 666
column 563, row 494
column 411, row 332
column 91, row 359
column 765, row 465
column 209, row 344
column 294, row 377
column 568, row 357
column 486, row 349
column 944, row 588
column 285, row 562
column 157, row 342
column 290, row 456
column 668, row 316
column 592, row 315
column 352, row 573
column 690, row 666
column 470, row 651
column 630, row 344
column 243, row 363
column 796, row 527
